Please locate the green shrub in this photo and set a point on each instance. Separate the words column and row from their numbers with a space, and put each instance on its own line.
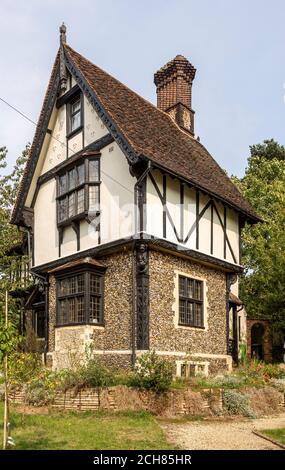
column 255, row 372
column 22, row 367
column 152, row 372
column 236, row 403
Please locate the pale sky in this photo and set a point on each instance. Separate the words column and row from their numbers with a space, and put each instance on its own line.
column 236, row 46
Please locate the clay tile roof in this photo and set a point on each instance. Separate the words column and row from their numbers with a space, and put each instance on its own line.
column 154, row 135
column 79, row 262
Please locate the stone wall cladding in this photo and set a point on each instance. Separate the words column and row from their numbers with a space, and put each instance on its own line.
column 163, row 334
column 116, row 335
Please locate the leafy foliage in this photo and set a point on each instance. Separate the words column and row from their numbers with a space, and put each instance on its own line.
column 262, row 286
column 9, row 237
column 152, row 372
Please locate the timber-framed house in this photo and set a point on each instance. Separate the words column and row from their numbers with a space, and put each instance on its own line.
column 133, row 229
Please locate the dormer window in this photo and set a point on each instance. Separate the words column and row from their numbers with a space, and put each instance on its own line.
column 78, row 191
column 74, row 114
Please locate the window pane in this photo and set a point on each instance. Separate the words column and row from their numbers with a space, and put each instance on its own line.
column 71, row 178
column 190, row 288
column 182, row 292
column 93, row 198
column 72, row 285
column 182, row 311
column 75, row 106
column 80, row 174
column 80, row 201
column 80, row 283
column 95, row 284
column 62, row 184
column 190, row 314
column 71, row 310
column 80, row 309
column 198, row 315
column 94, row 314
column 71, row 205
column 94, row 170
column 62, row 318
column 198, row 290
column 62, row 206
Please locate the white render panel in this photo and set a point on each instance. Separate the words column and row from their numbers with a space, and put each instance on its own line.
column 93, row 126
column 88, row 236
column 75, row 144
column 117, row 195
column 154, row 212
column 173, row 205
column 45, row 229
column 56, row 152
column 205, row 226
column 69, row 243
column 189, row 215
column 233, row 234
column 218, row 233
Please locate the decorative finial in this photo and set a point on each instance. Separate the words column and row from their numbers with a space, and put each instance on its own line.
column 62, row 31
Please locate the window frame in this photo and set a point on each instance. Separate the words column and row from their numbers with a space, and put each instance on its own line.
column 192, row 300
column 86, row 295
column 77, row 97
column 85, row 185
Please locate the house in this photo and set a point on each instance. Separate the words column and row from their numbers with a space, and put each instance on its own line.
column 132, row 228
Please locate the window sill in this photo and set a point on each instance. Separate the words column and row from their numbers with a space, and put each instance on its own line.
column 78, row 217
column 101, row 325
column 74, row 132
column 193, row 327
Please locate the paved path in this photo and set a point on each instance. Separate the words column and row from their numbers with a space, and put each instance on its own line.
column 225, row 435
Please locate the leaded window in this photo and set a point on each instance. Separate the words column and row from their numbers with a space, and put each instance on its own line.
column 80, row 298
column 78, row 191
column 75, row 114
column 191, row 302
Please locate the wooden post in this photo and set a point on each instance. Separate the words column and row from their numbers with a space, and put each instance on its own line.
column 6, row 404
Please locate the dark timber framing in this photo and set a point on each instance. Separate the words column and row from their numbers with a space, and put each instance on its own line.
column 142, row 296
column 179, row 232
column 127, row 243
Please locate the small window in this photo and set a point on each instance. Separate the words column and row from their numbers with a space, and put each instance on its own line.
column 191, row 302
column 75, row 114
column 80, row 299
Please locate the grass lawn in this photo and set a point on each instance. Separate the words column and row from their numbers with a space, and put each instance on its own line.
column 276, row 434
column 85, row 430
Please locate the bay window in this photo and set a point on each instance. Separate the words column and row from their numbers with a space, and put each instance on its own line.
column 78, row 190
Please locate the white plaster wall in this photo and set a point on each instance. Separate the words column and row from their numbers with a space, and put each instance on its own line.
column 56, row 152
column 154, row 213
column 75, row 144
column 93, row 126
column 205, row 226
column 189, row 216
column 233, row 234
column 117, row 195
column 45, row 229
column 218, row 233
column 173, row 205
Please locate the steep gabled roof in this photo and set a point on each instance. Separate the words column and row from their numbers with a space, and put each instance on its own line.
column 142, row 131
column 153, row 134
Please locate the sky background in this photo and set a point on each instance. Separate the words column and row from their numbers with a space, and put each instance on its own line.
column 237, row 47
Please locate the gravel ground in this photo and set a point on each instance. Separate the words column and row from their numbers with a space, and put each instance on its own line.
column 233, row 435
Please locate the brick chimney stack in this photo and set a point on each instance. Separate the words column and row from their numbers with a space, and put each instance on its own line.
column 174, row 91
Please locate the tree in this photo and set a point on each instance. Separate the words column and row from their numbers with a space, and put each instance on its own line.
column 262, row 285
column 9, row 234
